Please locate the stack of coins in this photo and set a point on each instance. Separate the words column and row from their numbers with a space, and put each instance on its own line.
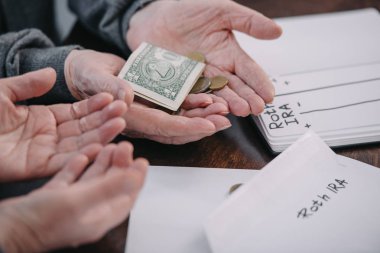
column 205, row 84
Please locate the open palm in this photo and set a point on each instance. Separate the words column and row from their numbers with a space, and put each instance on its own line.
column 78, row 205
column 201, row 115
column 37, row 141
column 206, row 26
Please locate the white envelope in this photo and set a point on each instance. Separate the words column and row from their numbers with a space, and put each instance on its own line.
column 173, row 205
column 306, row 200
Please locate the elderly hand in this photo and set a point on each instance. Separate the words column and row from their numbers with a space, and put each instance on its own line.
column 89, row 72
column 201, row 115
column 206, row 26
column 37, row 141
column 72, row 209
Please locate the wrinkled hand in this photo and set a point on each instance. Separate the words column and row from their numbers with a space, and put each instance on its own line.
column 89, row 72
column 37, row 141
column 201, row 115
column 71, row 209
column 206, row 26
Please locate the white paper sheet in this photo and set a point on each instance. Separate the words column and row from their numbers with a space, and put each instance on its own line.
column 326, row 71
column 175, row 201
column 318, row 42
column 306, row 200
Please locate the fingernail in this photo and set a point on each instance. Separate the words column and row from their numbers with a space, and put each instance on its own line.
column 205, row 104
column 224, row 128
column 111, row 106
column 224, row 113
column 270, row 101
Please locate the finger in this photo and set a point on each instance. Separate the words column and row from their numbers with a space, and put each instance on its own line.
column 216, row 108
column 163, row 124
column 101, row 163
column 69, row 173
column 67, row 112
column 135, row 176
column 104, row 134
column 196, row 100
column 115, row 209
column 123, row 155
column 177, row 140
column 253, row 75
column 109, row 196
column 104, row 188
column 255, row 103
column 117, row 87
column 59, row 160
column 221, row 123
column 188, row 134
column 217, row 99
column 30, row 85
column 237, row 105
column 92, row 121
column 141, row 164
column 251, row 22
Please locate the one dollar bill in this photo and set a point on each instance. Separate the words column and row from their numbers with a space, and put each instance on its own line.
column 161, row 76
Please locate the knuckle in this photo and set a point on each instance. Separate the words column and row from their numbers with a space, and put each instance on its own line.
column 83, row 125
column 74, row 110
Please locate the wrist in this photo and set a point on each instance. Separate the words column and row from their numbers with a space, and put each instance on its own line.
column 6, row 244
column 13, row 235
column 7, row 233
column 68, row 73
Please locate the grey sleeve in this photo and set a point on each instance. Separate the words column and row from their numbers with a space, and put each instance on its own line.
column 108, row 19
column 28, row 50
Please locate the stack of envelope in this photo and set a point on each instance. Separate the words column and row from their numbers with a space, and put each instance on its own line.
column 326, row 72
column 308, row 199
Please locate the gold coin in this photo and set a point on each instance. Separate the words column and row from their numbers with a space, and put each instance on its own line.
column 197, row 56
column 234, row 188
column 201, row 85
column 218, row 83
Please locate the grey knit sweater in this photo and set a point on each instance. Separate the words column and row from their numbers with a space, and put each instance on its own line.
column 24, row 47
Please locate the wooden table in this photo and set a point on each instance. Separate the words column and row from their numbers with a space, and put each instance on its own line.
column 241, row 146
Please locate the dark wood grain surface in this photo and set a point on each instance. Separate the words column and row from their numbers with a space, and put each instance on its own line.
column 240, row 146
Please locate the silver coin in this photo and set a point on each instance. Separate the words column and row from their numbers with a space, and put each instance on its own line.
column 201, row 85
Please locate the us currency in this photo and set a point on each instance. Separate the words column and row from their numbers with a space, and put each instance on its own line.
column 161, row 76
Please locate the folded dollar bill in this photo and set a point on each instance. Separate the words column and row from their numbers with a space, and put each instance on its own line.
column 161, row 76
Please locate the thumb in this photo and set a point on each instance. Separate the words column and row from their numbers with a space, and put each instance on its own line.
column 117, row 87
column 30, row 85
column 251, row 22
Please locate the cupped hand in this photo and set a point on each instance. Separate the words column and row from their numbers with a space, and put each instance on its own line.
column 89, row 72
column 201, row 115
column 206, row 26
column 77, row 206
column 37, row 141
